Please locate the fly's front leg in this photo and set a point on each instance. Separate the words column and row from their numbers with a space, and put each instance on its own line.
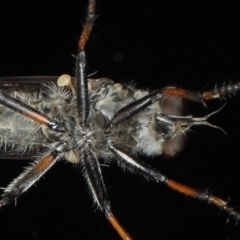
column 95, row 182
column 204, row 195
column 220, row 92
column 30, row 112
column 31, row 175
column 126, row 162
column 81, row 64
column 133, row 108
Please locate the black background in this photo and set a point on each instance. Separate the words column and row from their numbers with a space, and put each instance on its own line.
column 192, row 46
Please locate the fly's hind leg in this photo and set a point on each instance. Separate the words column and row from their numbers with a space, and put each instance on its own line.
column 94, row 179
column 33, row 173
column 29, row 112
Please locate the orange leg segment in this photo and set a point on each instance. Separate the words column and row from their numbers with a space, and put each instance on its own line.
column 118, row 227
column 190, row 95
column 220, row 92
column 88, row 25
column 203, row 195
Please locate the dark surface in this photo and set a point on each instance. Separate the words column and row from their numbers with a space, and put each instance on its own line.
column 155, row 46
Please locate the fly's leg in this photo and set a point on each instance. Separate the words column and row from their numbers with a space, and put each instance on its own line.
column 204, row 195
column 29, row 112
column 91, row 165
column 138, row 166
column 95, row 182
column 87, row 25
column 133, row 108
column 81, row 64
column 220, row 92
column 25, row 180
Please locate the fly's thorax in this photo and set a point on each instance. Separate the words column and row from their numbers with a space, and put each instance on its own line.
column 139, row 133
column 114, row 98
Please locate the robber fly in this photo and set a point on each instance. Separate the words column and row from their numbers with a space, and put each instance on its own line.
column 85, row 121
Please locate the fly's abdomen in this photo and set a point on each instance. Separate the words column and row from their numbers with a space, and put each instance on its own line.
column 19, row 136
